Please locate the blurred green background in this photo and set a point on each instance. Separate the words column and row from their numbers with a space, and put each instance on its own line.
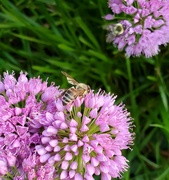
column 43, row 37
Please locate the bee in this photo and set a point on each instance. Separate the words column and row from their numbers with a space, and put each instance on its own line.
column 77, row 90
column 116, row 29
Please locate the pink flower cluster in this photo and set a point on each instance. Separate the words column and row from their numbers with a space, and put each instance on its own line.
column 42, row 139
column 146, row 25
column 21, row 102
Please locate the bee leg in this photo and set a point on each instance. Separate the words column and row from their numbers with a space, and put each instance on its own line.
column 61, row 95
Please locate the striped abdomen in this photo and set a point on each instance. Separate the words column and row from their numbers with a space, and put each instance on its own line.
column 69, row 96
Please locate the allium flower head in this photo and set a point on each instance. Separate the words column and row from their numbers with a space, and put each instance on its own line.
column 40, row 138
column 146, row 25
column 86, row 138
column 21, row 104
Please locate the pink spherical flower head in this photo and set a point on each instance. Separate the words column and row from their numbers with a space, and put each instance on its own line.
column 86, row 138
column 145, row 26
column 23, row 103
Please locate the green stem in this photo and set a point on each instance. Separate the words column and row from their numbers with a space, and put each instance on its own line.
column 130, row 81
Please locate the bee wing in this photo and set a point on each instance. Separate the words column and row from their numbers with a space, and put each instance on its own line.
column 108, row 26
column 70, row 79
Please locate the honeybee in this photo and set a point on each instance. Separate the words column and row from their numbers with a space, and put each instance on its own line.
column 80, row 90
column 116, row 29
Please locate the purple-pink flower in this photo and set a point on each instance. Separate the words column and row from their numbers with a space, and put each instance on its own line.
column 86, row 138
column 40, row 138
column 21, row 105
column 146, row 26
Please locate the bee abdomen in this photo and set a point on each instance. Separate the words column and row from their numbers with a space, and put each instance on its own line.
column 68, row 97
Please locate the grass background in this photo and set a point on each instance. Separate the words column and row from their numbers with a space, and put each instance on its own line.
column 44, row 37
